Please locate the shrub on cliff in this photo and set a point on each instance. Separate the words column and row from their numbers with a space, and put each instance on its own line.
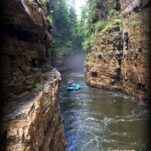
column 113, row 13
column 100, row 25
column 103, row 26
column 107, row 20
column 111, row 24
column 89, row 41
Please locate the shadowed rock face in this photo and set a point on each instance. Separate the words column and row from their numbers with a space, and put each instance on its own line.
column 31, row 118
column 24, row 54
column 121, row 60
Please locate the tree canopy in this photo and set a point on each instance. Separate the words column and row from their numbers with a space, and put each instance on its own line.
column 64, row 22
column 69, row 31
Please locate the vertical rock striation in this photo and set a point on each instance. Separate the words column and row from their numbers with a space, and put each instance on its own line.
column 120, row 57
column 31, row 118
column 24, row 54
column 33, row 121
column 136, row 51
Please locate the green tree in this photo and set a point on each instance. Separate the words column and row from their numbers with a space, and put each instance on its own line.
column 64, row 25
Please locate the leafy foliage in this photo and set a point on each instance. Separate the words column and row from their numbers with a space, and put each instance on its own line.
column 60, row 51
column 68, row 31
column 64, row 22
column 113, row 13
column 100, row 25
column 88, row 42
column 92, row 24
column 135, row 23
column 112, row 23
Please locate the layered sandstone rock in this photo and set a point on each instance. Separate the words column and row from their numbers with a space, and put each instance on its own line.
column 26, row 39
column 31, row 118
column 103, row 64
column 136, row 50
column 121, row 60
column 33, row 121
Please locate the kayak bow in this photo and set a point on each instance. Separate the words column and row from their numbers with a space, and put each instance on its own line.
column 75, row 88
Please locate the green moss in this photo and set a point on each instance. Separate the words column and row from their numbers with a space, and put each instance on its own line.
column 135, row 24
column 89, row 60
column 103, row 27
column 89, row 41
column 43, row 1
column 49, row 18
column 121, row 29
column 111, row 24
column 100, row 25
column 113, row 13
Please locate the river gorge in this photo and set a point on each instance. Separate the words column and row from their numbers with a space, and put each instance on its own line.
column 42, row 50
column 103, row 120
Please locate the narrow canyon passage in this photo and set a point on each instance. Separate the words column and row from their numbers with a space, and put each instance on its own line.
column 96, row 119
column 42, row 49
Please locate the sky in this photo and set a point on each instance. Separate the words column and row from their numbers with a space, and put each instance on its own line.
column 78, row 5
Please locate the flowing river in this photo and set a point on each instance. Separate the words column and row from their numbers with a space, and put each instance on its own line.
column 101, row 120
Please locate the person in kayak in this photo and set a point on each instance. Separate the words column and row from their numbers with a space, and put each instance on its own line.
column 72, row 85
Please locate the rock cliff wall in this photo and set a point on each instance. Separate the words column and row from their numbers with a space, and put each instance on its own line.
column 136, row 50
column 24, row 52
column 30, row 115
column 33, row 121
column 120, row 58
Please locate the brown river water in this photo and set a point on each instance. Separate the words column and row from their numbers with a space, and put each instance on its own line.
column 101, row 120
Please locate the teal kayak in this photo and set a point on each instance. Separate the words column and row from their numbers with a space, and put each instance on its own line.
column 75, row 88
